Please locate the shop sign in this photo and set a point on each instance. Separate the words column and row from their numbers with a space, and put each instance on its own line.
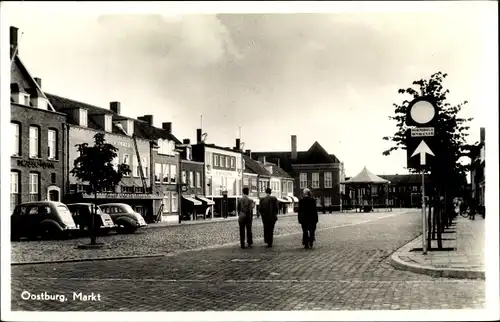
column 35, row 164
column 222, row 173
column 111, row 195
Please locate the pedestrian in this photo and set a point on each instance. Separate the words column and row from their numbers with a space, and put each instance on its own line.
column 245, row 207
column 268, row 208
column 308, row 218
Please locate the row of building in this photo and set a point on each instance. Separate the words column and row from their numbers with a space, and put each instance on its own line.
column 185, row 178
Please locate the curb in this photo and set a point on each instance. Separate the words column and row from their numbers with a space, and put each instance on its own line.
column 400, row 264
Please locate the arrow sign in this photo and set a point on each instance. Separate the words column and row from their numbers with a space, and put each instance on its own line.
column 423, row 149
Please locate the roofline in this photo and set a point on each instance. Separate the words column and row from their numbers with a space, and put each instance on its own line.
column 38, row 109
column 34, row 81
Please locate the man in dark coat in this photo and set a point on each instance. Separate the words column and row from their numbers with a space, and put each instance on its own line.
column 268, row 208
column 308, row 218
column 245, row 214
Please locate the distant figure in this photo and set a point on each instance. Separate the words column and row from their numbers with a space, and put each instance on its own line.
column 245, row 215
column 269, row 209
column 308, row 218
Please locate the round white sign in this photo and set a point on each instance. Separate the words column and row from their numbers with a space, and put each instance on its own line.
column 422, row 112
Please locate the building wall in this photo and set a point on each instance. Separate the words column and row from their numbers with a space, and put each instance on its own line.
column 253, row 188
column 227, row 178
column 165, row 183
column 194, row 167
column 125, row 145
column 47, row 169
column 320, row 192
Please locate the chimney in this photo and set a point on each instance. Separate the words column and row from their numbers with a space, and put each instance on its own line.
column 147, row 118
column 186, row 141
column 198, row 136
column 279, row 163
column 482, row 135
column 13, row 41
column 263, row 159
column 115, row 107
column 294, row 147
column 237, row 144
column 167, row 126
column 39, row 82
column 249, row 153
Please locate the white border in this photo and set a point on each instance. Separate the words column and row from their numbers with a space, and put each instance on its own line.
column 177, row 8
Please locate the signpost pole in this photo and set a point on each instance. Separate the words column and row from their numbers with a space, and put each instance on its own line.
column 424, row 230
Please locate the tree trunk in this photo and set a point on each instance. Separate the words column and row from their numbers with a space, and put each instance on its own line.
column 439, row 224
column 436, row 210
column 93, row 237
column 429, row 224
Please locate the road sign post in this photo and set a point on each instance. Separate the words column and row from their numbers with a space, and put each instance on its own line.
column 422, row 115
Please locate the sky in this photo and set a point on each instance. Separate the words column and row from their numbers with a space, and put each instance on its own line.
column 330, row 77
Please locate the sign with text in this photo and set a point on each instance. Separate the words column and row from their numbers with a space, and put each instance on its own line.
column 422, row 131
column 35, row 164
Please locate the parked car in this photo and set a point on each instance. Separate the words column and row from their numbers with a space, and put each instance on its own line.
column 48, row 219
column 124, row 217
column 81, row 213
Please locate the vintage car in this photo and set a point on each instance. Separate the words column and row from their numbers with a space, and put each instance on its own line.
column 81, row 213
column 46, row 219
column 124, row 217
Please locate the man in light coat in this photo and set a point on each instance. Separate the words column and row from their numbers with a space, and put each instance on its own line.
column 245, row 214
column 308, row 218
column 268, row 208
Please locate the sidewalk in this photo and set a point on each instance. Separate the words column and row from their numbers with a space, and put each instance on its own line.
column 465, row 260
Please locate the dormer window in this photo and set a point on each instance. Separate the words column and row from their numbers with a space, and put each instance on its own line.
column 130, row 127
column 82, row 117
column 108, row 123
column 39, row 102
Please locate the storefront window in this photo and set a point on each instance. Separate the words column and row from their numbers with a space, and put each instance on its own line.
column 174, row 201
column 166, row 203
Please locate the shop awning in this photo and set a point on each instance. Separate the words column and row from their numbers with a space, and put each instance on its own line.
column 295, row 199
column 205, row 200
column 192, row 200
column 282, row 200
column 288, row 199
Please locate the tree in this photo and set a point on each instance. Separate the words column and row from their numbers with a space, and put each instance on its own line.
column 95, row 166
column 446, row 170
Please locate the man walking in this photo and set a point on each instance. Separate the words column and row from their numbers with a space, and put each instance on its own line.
column 245, row 207
column 308, row 218
column 268, row 209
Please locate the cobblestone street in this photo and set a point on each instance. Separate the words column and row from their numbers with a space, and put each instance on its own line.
column 347, row 270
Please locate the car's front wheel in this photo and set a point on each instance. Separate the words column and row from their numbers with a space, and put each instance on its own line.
column 126, row 229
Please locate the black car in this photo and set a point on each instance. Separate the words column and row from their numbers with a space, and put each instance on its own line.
column 81, row 213
column 48, row 219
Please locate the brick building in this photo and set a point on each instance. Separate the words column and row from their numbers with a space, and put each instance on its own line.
column 314, row 169
column 405, row 190
column 38, row 132
column 84, row 121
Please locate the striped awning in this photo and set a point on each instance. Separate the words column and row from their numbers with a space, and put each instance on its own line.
column 295, row 199
column 205, row 200
column 193, row 201
column 282, row 200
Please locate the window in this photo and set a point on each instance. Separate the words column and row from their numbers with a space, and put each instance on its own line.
column 221, row 159
column 328, row 179
column 318, row 201
column 134, row 166
column 83, row 118
column 166, row 175
column 315, row 180
column 24, row 99
column 157, row 172
column 184, row 177
column 166, row 203
column 191, row 179
column 173, row 173
column 290, row 186
column 34, row 184
column 126, row 160
column 145, row 166
column 108, row 123
column 233, row 163
column 328, row 201
column 415, row 188
column 14, row 189
column 16, row 128
column 115, row 162
column 198, row 180
column 53, row 178
column 227, row 162
column 216, row 160
column 34, row 142
column 303, row 180
column 254, row 185
column 174, row 201
column 245, row 182
column 52, row 141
